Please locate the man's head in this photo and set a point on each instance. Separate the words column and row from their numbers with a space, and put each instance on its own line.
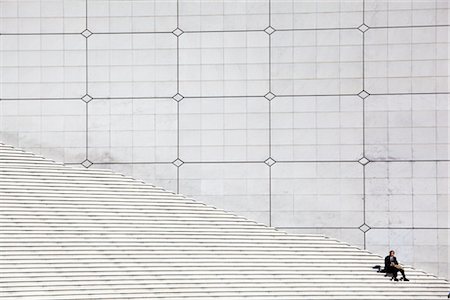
column 392, row 253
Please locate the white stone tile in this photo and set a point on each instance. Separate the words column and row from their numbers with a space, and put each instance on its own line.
column 235, row 187
column 224, row 15
column 49, row 127
column 378, row 238
column 219, row 129
column 262, row 217
column 132, row 16
column 317, row 199
column 403, row 132
column 409, row 189
column 317, row 128
column 224, row 64
column 354, row 237
column 298, row 67
column 288, row 14
column 426, row 219
column 412, row 12
column 123, row 65
column 37, row 67
column 160, row 175
column 146, row 128
column 163, row 175
column 49, row 16
column 387, row 72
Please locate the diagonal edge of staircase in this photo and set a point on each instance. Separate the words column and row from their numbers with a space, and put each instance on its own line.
column 265, row 263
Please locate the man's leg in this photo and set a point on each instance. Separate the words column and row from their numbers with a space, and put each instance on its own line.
column 394, row 272
column 403, row 273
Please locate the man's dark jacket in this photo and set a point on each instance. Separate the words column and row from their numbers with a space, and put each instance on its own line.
column 387, row 262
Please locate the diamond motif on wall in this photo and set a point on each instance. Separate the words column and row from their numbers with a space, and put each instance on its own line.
column 178, row 162
column 364, row 227
column 86, row 98
column 86, row 33
column 178, row 31
column 269, row 96
column 87, row 163
column 363, row 94
column 363, row 28
column 269, row 30
column 177, row 97
column 364, row 161
column 270, row 161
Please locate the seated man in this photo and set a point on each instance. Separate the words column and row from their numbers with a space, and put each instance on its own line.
column 391, row 265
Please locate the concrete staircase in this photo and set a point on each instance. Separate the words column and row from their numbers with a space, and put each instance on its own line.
column 69, row 233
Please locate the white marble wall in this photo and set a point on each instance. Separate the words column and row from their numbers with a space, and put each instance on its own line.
column 311, row 116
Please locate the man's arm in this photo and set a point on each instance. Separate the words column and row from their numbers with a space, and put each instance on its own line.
column 387, row 262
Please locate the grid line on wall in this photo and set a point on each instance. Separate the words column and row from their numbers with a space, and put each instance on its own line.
column 222, row 97
column 226, row 31
column 363, row 28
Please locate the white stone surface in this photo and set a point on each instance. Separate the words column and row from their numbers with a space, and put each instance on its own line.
column 30, row 16
column 290, row 14
column 133, row 130
column 242, row 85
column 158, row 174
column 240, row 188
column 42, row 66
column 319, row 62
column 219, row 129
column 224, row 64
column 405, row 127
column 323, row 194
column 406, row 13
column 126, row 65
column 50, row 127
column 407, row 60
column 317, row 128
column 132, row 15
column 223, row 15
column 98, row 234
